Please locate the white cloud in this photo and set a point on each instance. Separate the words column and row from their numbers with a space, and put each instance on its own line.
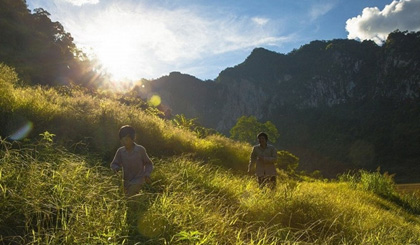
column 375, row 24
column 81, row 2
column 320, row 9
column 260, row 21
column 146, row 41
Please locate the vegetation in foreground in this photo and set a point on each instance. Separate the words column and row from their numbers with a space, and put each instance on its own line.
column 54, row 193
column 52, row 196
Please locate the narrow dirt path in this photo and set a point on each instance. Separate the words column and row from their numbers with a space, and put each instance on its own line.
column 413, row 187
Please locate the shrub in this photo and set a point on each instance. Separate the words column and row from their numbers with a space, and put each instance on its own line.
column 381, row 184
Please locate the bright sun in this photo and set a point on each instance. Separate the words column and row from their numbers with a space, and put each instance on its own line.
column 117, row 55
column 138, row 43
column 116, row 45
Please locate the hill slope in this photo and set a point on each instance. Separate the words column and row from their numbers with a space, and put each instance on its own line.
column 51, row 195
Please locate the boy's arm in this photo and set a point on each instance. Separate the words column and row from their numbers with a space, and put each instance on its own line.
column 273, row 156
column 252, row 159
column 148, row 165
column 116, row 162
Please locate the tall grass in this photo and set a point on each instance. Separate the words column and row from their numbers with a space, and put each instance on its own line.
column 383, row 185
column 202, row 204
column 93, row 120
column 50, row 195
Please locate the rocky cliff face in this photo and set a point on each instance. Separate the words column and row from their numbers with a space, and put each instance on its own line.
column 342, row 88
column 320, row 74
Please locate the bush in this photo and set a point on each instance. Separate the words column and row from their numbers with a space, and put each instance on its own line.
column 380, row 184
column 287, row 161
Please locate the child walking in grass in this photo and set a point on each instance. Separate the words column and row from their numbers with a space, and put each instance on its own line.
column 264, row 156
column 133, row 160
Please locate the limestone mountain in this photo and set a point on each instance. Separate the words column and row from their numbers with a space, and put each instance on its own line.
column 337, row 104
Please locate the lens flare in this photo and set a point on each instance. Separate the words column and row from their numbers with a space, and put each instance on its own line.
column 22, row 132
column 151, row 224
column 155, row 100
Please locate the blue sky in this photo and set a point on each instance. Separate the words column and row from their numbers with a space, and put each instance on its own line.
column 137, row 39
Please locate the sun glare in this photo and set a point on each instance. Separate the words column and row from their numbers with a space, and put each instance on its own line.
column 117, row 55
column 135, row 41
column 117, row 43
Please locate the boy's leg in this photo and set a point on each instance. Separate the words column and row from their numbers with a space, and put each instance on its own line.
column 260, row 181
column 272, row 182
column 263, row 181
column 269, row 181
column 132, row 189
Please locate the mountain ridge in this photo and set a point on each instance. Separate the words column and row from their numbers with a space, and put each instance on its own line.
column 354, row 92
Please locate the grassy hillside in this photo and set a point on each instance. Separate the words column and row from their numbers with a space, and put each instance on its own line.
column 83, row 121
column 58, row 189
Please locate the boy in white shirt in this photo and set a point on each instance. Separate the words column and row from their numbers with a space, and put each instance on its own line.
column 264, row 156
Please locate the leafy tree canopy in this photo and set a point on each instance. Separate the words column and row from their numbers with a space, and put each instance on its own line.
column 41, row 50
column 247, row 128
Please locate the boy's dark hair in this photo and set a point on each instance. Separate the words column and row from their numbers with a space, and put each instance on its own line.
column 127, row 130
column 263, row 135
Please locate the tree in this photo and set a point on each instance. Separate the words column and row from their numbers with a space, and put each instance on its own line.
column 181, row 121
column 40, row 50
column 247, row 128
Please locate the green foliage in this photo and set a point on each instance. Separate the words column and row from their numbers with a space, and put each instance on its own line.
column 8, row 76
column 404, row 43
column 287, row 161
column 380, row 184
column 55, row 197
column 47, row 137
column 200, row 203
column 41, row 50
column 99, row 118
column 192, row 237
column 180, row 121
column 52, row 196
column 247, row 128
column 339, row 104
column 49, row 195
column 410, row 201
